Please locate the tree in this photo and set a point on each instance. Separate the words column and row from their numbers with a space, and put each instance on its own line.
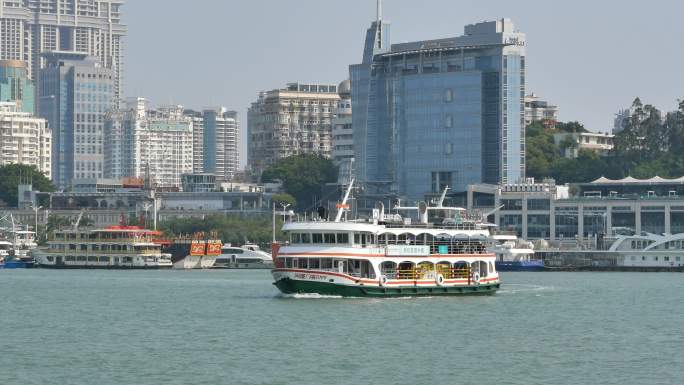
column 230, row 229
column 284, row 199
column 12, row 175
column 303, row 177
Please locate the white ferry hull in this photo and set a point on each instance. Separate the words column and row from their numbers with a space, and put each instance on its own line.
column 296, row 281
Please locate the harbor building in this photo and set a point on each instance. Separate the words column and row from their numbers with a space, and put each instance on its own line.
column 343, row 134
column 30, row 28
column 155, row 141
column 433, row 113
column 76, row 92
column 15, row 86
column 290, row 121
column 221, row 143
column 572, row 142
column 538, row 110
column 581, row 212
column 24, row 139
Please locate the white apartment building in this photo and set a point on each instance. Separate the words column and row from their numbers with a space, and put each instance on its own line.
column 29, row 28
column 290, row 121
column 343, row 134
column 24, row 139
column 572, row 143
column 537, row 110
column 221, row 137
column 159, row 141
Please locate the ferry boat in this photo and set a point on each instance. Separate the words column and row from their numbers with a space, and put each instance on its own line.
column 248, row 256
column 442, row 254
column 193, row 253
column 513, row 254
column 649, row 250
column 114, row 247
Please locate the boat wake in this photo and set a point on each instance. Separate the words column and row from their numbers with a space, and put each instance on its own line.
column 309, row 296
column 514, row 288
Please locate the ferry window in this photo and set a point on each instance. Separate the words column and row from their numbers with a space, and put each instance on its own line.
column 104, row 259
column 655, row 258
column 288, row 262
column 326, row 263
column 92, row 259
column 357, row 238
column 491, row 267
column 81, row 258
column 296, row 238
column 316, row 238
column 342, row 238
column 314, row 263
column 303, row 263
column 95, row 247
column 69, row 258
column 329, row 238
column 382, row 239
column 643, row 258
column 72, row 247
column 667, row 259
column 679, row 258
column 633, row 258
column 306, row 238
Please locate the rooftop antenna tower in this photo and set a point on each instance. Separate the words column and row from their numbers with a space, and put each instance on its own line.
column 379, row 11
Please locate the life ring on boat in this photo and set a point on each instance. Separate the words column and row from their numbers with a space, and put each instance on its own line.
column 383, row 280
column 440, row 280
column 476, row 278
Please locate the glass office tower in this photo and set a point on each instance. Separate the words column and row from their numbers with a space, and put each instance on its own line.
column 447, row 112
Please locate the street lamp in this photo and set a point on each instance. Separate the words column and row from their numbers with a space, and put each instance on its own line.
column 35, row 209
column 284, row 206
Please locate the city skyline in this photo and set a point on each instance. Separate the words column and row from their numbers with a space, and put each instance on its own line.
column 599, row 75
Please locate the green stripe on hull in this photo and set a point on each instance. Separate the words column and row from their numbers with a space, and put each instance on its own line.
column 290, row 286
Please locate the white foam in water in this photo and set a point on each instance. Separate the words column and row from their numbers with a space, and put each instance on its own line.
column 520, row 288
column 310, row 296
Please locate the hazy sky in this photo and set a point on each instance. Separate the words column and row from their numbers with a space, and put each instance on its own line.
column 591, row 58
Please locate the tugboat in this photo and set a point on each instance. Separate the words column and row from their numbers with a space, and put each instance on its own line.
column 442, row 254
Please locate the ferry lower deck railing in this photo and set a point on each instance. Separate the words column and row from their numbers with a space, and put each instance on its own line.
column 415, row 274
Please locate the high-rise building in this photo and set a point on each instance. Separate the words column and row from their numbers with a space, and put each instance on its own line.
column 76, row 92
column 290, row 121
column 343, row 134
column 159, row 141
column 15, row 86
column 221, row 143
column 29, row 28
column 433, row 113
column 197, row 140
column 24, row 139
column 537, row 110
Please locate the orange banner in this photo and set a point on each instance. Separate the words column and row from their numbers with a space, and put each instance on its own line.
column 214, row 249
column 197, row 248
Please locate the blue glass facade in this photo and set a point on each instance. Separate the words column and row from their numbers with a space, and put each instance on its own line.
column 442, row 112
column 75, row 94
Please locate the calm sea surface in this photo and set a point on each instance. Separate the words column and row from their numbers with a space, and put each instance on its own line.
column 232, row 327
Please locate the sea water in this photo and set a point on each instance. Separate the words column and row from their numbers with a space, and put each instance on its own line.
column 233, row 327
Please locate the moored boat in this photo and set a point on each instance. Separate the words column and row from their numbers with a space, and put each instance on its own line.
column 114, row 247
column 388, row 256
column 248, row 256
column 513, row 254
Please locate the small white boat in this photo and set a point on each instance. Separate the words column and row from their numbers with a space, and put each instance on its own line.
column 248, row 256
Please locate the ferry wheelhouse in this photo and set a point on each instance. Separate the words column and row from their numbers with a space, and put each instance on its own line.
column 114, row 247
column 443, row 253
